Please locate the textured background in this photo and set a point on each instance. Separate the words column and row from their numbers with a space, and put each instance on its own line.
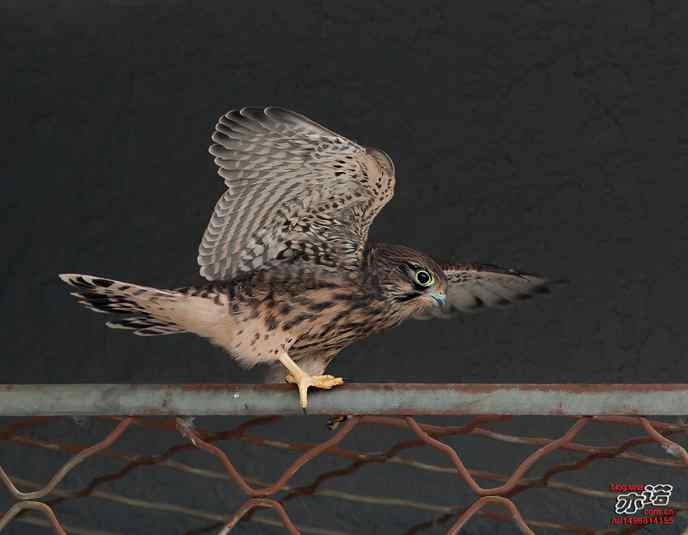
column 545, row 136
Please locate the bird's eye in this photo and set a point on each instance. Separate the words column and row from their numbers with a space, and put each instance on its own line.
column 424, row 278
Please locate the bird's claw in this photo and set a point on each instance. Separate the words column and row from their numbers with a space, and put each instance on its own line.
column 324, row 382
column 333, row 422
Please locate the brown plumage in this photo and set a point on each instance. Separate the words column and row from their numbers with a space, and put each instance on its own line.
column 293, row 279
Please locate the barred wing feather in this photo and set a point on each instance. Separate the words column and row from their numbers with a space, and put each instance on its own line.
column 475, row 287
column 295, row 190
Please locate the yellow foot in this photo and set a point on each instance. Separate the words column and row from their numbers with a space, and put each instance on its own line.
column 317, row 381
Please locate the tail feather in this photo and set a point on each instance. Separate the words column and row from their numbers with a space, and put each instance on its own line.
column 146, row 311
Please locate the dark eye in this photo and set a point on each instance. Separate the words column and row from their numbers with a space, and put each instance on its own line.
column 424, row 278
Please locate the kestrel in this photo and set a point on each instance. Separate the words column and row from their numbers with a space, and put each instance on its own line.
column 292, row 277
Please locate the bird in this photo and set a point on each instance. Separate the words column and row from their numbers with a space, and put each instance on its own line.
column 292, row 278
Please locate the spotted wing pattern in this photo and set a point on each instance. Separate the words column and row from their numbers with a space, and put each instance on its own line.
column 475, row 287
column 295, row 190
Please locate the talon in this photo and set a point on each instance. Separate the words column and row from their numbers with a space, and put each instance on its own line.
column 333, row 422
column 302, row 380
column 304, row 383
column 324, row 382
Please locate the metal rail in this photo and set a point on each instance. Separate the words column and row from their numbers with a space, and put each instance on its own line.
column 362, row 398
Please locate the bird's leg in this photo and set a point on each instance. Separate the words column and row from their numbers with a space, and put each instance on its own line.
column 303, row 380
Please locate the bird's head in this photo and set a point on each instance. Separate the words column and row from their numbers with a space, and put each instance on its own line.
column 407, row 278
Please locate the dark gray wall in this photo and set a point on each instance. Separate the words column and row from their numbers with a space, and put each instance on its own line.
column 548, row 137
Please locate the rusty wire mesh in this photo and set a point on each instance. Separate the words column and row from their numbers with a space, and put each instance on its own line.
column 34, row 502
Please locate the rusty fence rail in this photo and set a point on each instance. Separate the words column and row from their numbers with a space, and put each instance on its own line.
column 123, row 407
column 366, row 398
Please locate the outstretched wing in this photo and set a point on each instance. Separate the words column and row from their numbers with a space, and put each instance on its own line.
column 295, row 191
column 475, row 287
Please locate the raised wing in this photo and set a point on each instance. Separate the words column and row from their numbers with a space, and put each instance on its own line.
column 295, row 191
column 475, row 287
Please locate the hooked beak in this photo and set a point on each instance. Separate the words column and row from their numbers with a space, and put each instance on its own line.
column 439, row 298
